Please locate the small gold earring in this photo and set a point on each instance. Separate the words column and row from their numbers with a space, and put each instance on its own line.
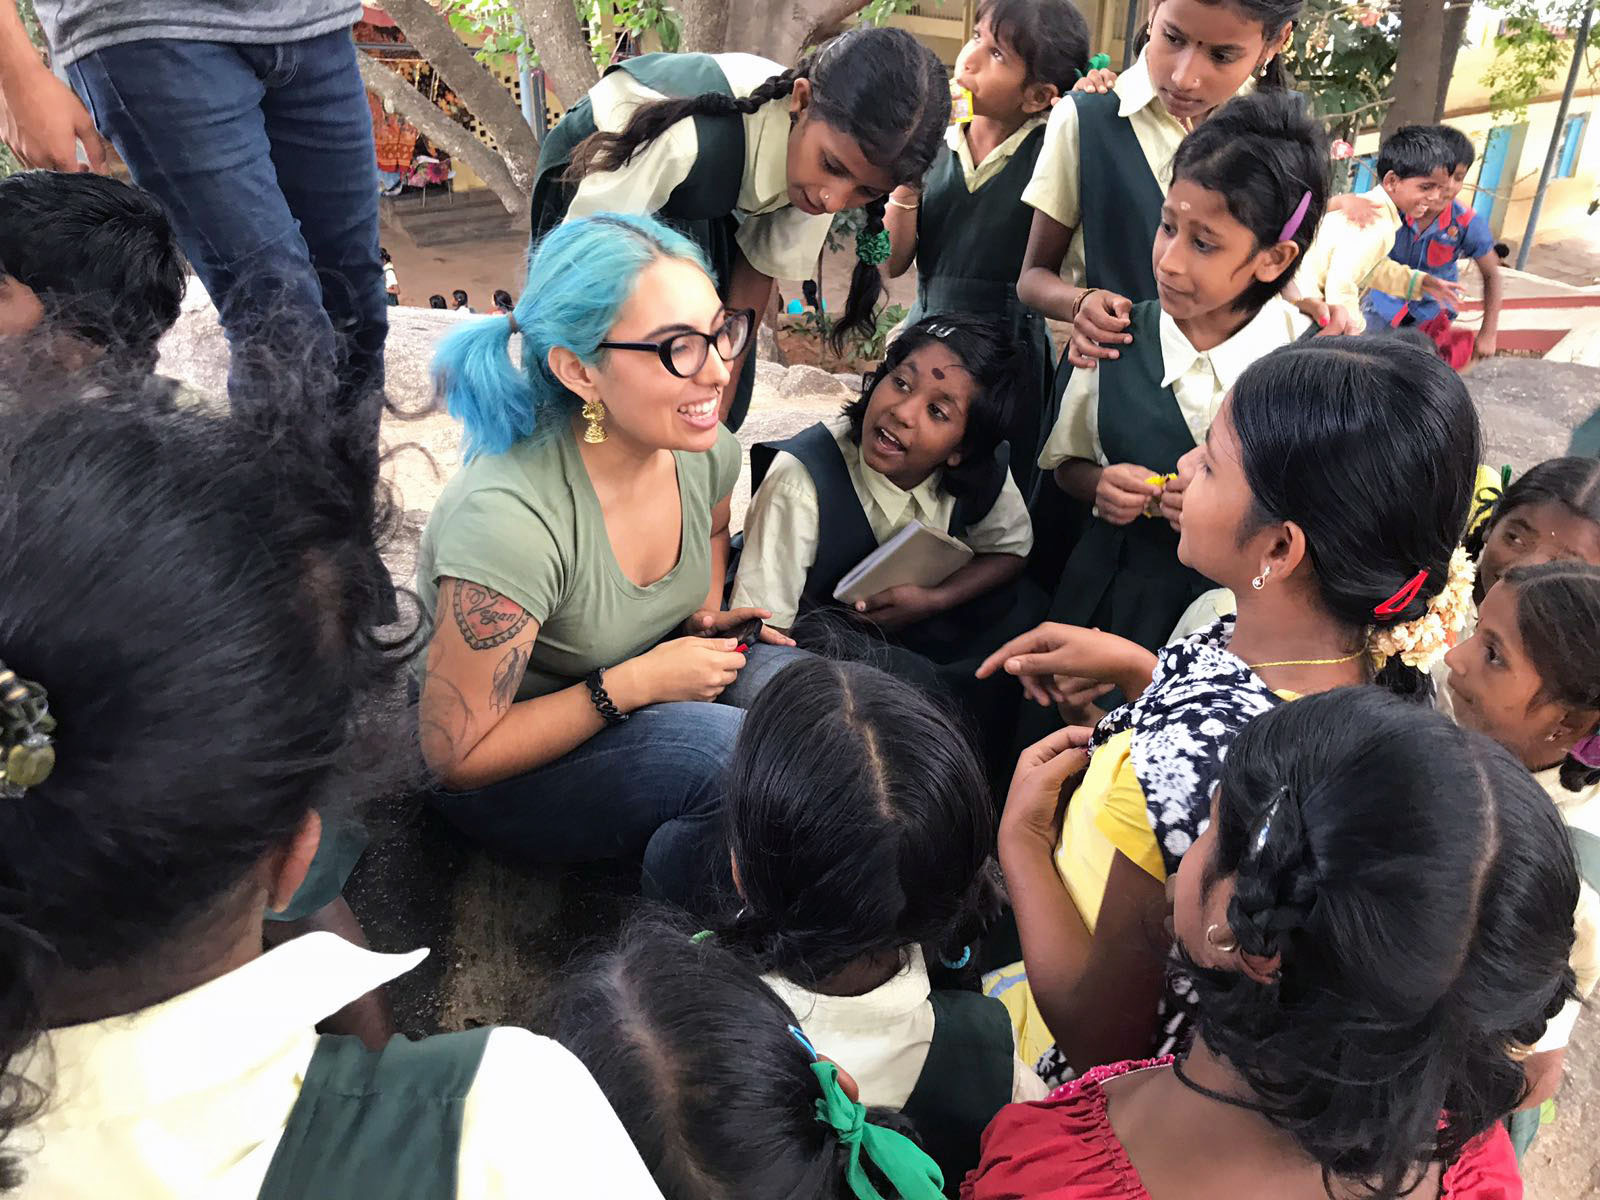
column 595, row 413
column 1223, row 947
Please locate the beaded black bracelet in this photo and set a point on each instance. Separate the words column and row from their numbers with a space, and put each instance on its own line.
column 602, row 699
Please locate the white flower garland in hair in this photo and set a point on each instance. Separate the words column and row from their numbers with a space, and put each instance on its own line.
column 1424, row 641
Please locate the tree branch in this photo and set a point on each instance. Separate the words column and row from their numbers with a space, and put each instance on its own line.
column 442, row 131
column 484, row 95
column 564, row 52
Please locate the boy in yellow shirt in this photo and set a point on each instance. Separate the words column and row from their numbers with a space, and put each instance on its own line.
column 1351, row 249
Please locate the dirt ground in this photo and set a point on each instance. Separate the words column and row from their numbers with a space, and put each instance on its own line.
column 502, row 937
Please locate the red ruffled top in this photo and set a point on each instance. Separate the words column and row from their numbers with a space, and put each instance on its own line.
column 1063, row 1148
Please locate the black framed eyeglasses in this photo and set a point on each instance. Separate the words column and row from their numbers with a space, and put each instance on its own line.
column 684, row 354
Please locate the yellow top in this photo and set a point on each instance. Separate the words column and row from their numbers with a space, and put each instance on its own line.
column 1345, row 258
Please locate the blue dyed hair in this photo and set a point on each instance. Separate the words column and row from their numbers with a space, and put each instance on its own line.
column 579, row 275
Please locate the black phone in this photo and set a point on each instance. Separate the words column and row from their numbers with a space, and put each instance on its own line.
column 748, row 633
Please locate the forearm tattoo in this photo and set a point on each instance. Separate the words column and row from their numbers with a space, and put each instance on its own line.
column 485, row 617
column 508, row 674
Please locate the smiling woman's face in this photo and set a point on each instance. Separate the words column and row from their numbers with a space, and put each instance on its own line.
column 644, row 401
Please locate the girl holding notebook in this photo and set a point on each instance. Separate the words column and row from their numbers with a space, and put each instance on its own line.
column 923, row 443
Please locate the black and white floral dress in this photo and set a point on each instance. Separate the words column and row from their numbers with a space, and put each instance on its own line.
column 1199, row 699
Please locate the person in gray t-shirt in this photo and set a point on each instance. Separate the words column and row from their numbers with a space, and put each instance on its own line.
column 248, row 120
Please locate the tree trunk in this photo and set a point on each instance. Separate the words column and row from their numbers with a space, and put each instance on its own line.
column 484, row 95
column 780, row 29
column 564, row 53
column 439, row 129
column 1455, row 32
column 1415, row 87
column 705, row 25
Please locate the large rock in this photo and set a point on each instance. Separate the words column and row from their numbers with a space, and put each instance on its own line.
column 806, row 383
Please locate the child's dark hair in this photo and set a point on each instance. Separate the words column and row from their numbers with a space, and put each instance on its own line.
column 1262, row 153
column 1274, row 16
column 502, row 299
column 1462, row 152
column 1415, row 150
column 1050, row 36
column 859, row 822
column 1417, row 887
column 383, row 254
column 437, row 301
column 101, row 256
column 1572, row 482
column 1558, row 614
column 188, row 744
column 1372, row 448
column 882, row 87
column 694, row 1053
column 459, row 296
column 998, row 364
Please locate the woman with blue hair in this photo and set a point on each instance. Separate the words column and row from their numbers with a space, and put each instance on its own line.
column 573, row 569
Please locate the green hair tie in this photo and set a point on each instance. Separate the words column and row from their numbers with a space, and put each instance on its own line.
column 910, row 1172
column 873, row 248
column 1100, row 62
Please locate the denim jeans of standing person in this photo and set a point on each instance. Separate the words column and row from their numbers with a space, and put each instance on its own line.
column 263, row 156
column 650, row 788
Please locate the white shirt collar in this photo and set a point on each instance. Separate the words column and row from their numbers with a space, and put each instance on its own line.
column 765, row 187
column 956, row 138
column 865, row 1014
column 894, row 500
column 1262, row 334
column 212, row 1034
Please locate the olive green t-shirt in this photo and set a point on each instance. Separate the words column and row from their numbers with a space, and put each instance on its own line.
column 528, row 524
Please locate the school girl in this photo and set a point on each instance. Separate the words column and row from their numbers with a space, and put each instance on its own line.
column 1248, row 188
column 1106, row 162
column 722, row 1090
column 165, row 774
column 861, row 831
column 1530, row 678
column 964, row 225
column 752, row 160
column 1330, row 495
column 1380, row 905
column 923, row 443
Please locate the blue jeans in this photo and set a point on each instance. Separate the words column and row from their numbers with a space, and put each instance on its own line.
column 649, row 789
column 263, row 157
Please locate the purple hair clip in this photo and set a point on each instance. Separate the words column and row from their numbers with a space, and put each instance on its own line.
column 1587, row 751
column 1292, row 225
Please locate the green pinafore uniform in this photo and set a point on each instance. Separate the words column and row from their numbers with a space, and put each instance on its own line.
column 1119, row 201
column 1126, row 579
column 378, row 1122
column 970, row 246
column 702, row 206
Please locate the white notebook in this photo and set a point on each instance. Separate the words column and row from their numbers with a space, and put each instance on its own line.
column 916, row 554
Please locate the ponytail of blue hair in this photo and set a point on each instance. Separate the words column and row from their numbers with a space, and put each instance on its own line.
column 579, row 275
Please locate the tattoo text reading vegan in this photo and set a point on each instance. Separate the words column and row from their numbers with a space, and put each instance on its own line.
column 485, row 617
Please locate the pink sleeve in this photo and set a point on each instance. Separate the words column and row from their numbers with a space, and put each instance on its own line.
column 1486, row 1170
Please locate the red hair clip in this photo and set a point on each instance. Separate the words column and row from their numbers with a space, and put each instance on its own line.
column 1396, row 603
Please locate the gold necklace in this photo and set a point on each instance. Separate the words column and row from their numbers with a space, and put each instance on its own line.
column 1307, row 662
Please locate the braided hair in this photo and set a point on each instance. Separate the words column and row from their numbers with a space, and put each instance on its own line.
column 1558, row 611
column 881, row 87
column 1416, row 889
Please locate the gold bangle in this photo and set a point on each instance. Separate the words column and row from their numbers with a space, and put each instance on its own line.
column 902, row 204
column 1077, row 306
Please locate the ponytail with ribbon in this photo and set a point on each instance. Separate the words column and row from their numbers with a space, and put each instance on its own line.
column 910, row 1172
